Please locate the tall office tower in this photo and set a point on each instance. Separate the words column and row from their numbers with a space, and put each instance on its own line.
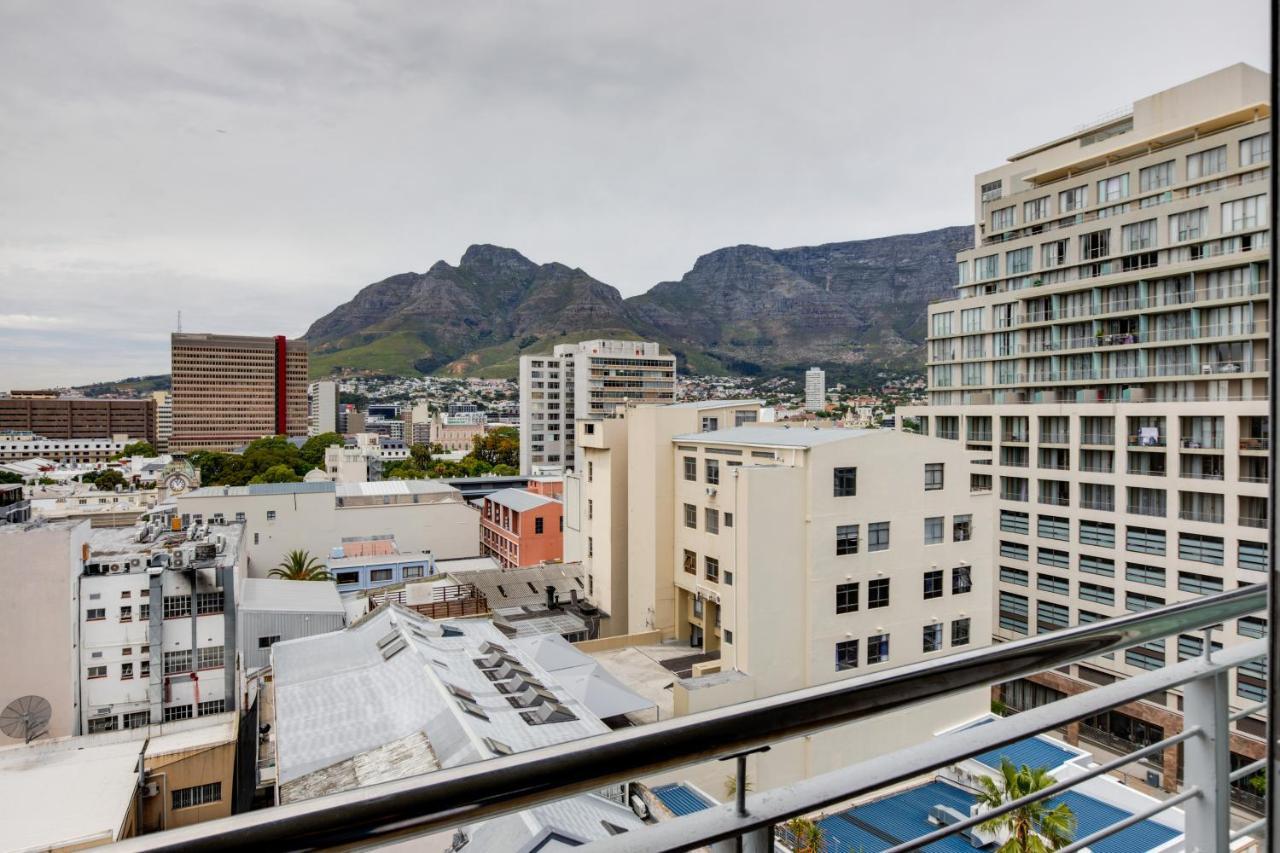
column 815, row 389
column 583, row 380
column 1106, row 356
column 231, row 389
column 164, row 419
column 322, row 407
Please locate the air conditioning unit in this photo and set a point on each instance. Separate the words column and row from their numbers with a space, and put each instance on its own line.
column 150, row 789
column 711, row 492
column 115, row 568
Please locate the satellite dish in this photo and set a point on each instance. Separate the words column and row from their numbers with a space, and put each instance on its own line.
column 26, row 718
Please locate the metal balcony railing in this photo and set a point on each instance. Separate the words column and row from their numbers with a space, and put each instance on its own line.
column 444, row 799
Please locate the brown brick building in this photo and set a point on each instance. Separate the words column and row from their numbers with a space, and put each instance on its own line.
column 231, row 389
column 46, row 414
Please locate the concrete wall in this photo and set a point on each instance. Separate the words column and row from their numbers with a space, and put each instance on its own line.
column 39, row 615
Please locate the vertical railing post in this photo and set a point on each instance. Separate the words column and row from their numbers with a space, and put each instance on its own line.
column 1206, row 763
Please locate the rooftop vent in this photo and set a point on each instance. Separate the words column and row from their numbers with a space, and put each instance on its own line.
column 547, row 713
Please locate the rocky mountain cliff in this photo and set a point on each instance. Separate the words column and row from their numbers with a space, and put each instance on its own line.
column 852, row 307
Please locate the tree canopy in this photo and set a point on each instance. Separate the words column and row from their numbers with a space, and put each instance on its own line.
column 230, row 469
column 313, row 450
column 138, row 448
column 106, row 480
column 498, row 446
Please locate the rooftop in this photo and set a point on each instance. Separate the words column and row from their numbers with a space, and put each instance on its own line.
column 278, row 595
column 774, row 436
column 519, row 500
column 713, row 404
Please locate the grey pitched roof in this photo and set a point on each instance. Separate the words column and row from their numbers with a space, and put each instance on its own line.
column 284, row 596
column 519, row 500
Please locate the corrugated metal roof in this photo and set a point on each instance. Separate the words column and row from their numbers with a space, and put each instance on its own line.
column 261, row 489
column 519, row 500
column 681, row 799
column 393, row 487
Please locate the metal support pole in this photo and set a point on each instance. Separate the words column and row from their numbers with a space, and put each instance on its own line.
column 741, row 792
column 1206, row 764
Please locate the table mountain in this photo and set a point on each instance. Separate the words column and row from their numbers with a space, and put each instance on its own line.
column 852, row 307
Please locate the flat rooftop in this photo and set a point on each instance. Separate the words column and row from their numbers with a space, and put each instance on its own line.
column 768, row 436
column 285, row 596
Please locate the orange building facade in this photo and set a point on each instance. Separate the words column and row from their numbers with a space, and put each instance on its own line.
column 520, row 528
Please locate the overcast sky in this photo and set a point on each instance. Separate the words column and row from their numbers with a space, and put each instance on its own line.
column 255, row 164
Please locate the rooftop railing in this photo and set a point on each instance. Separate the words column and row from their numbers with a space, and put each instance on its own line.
column 445, row 799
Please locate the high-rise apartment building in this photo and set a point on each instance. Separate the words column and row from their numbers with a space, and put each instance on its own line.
column 584, row 380
column 322, row 407
column 164, row 419
column 815, row 389
column 231, row 389
column 1105, row 359
column 51, row 415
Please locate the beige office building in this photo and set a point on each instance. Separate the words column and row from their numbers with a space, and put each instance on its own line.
column 1104, row 359
column 584, row 380
column 789, row 556
column 231, row 389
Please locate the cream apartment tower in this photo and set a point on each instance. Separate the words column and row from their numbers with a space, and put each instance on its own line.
column 583, row 380
column 790, row 557
column 1104, row 359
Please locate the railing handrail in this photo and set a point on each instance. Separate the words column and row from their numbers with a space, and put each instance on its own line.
column 473, row 792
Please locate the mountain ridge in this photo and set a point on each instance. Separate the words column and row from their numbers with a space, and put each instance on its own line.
column 851, row 306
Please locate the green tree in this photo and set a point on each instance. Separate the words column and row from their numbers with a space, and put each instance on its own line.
column 405, row 470
column 806, row 834
column 107, row 480
column 301, row 566
column 1034, row 827
column 498, row 446
column 138, row 448
column 421, row 455
column 277, row 474
column 505, row 470
column 312, row 451
column 10, row 478
column 274, row 450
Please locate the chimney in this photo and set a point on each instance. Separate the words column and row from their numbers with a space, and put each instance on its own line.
column 552, row 604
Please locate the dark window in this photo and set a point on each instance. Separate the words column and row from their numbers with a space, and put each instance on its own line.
column 878, row 593
column 846, row 539
column 933, row 475
column 846, row 654
column 713, row 472
column 690, row 468
column 877, row 648
column 846, row 482
column 537, row 525
column 691, row 516
column 960, row 632
column 933, row 584
column 846, row 597
column 878, row 533
column 932, row 638
column 961, row 580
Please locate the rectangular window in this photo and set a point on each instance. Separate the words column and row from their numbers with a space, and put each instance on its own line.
column 1200, row 549
column 137, row 720
column 1091, row 565
column 931, row 640
column 177, row 661
column 210, row 657
column 1255, row 149
column 1095, row 244
column 1014, row 522
column 1014, row 550
column 268, row 642
column 713, row 472
column 103, row 724
column 690, row 468
column 877, row 593
column 1052, row 583
column 846, row 597
column 97, row 672
column 1136, row 601
column 1252, row 556
column 933, row 530
column 1208, row 162
column 711, row 518
column 1014, row 576
column 846, row 539
column 877, row 648
column 846, row 482
column 126, row 670
column 1144, row 540
column 846, row 654
column 690, row 562
column 1002, row 219
column 1191, row 646
column 1155, row 177
column 1188, row 225
column 1096, row 593
column 271, row 515
column 538, row 525
column 177, row 606
column 95, row 614
column 1149, row 575
column 1051, row 617
column 960, row 632
column 413, row 572
column 1018, row 262
column 710, row 424
column 933, row 584
column 1037, row 208
column 1072, row 199
column 1053, row 254
column 961, row 580
column 1053, row 557
column 1139, row 236
column 1251, row 626
column 209, row 602
column 986, row 267
column 712, row 567
column 878, row 536
column 177, row 712
column 1114, row 188
column 1053, row 527
column 961, row 528
column 1199, row 584
column 933, row 475
column 1100, row 534
column 213, row 706
column 1146, row 656
column 1013, row 612
column 185, row 798
column 691, row 516
column 382, row 575
column 1244, row 213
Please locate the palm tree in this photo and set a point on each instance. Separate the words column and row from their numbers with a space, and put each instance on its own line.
column 301, row 566
column 1034, row 827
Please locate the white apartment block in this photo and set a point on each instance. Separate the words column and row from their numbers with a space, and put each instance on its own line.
column 815, row 389
column 584, row 380
column 1104, row 360
column 15, row 447
column 156, row 643
column 322, row 407
column 791, row 556
column 164, row 419
column 421, row 515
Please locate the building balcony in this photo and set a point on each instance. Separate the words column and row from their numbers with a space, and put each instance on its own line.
column 1196, row 814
